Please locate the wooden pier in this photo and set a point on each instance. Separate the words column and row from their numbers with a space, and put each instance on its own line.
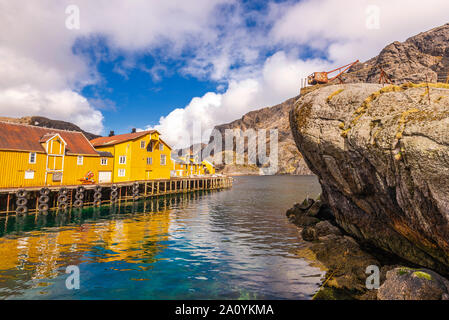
column 43, row 199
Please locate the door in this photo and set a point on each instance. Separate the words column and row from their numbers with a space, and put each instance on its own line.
column 104, row 176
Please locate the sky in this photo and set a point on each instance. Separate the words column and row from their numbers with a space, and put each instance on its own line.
column 175, row 65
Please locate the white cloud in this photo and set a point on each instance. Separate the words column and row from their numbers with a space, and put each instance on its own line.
column 41, row 75
column 342, row 25
column 278, row 80
column 61, row 104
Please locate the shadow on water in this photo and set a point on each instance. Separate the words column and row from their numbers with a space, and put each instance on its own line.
column 232, row 244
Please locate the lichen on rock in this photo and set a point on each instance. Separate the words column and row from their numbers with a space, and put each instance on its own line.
column 413, row 284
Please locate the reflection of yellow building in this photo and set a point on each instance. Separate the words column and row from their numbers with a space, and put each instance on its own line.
column 35, row 156
column 137, row 155
column 125, row 240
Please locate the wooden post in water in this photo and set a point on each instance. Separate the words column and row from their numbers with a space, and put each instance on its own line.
column 7, row 203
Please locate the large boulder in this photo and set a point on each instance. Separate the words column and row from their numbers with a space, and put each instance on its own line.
column 382, row 158
column 413, row 284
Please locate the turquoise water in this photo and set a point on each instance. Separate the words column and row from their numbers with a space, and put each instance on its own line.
column 232, row 244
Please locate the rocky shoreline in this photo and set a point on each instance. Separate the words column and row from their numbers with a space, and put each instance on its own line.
column 346, row 261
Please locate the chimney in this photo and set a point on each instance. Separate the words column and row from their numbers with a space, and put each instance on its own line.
column 133, row 130
column 111, row 133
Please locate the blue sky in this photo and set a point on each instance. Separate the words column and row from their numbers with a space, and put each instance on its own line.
column 134, row 97
column 137, row 99
column 179, row 66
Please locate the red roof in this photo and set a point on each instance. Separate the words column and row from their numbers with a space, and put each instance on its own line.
column 108, row 141
column 21, row 137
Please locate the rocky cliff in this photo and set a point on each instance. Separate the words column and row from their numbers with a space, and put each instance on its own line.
column 382, row 158
column 276, row 117
column 421, row 57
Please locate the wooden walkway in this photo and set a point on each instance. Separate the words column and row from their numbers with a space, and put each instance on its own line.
column 43, row 199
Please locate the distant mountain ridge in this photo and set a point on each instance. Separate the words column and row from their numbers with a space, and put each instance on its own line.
column 49, row 123
column 423, row 57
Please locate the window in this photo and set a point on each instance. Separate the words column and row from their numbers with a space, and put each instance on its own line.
column 32, row 157
column 149, row 160
column 142, row 144
column 79, row 160
column 104, row 161
column 57, row 176
column 29, row 174
column 163, row 163
column 121, row 172
column 122, row 160
column 161, row 146
column 150, row 147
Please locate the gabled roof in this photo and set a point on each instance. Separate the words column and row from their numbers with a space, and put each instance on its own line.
column 105, row 154
column 168, row 146
column 109, row 141
column 210, row 163
column 22, row 137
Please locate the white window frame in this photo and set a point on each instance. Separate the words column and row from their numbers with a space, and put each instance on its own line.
column 121, row 173
column 104, row 161
column 161, row 146
column 120, row 158
column 149, row 160
column 142, row 144
column 32, row 154
column 80, row 160
column 164, row 163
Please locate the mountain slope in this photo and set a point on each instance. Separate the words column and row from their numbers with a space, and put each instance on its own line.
column 276, row 117
column 49, row 123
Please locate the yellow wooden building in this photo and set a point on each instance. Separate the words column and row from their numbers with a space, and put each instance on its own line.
column 208, row 167
column 137, row 155
column 190, row 166
column 36, row 156
column 179, row 167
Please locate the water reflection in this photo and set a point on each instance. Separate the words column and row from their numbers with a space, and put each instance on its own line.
column 230, row 244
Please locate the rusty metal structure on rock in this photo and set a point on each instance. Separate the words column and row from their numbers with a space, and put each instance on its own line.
column 323, row 77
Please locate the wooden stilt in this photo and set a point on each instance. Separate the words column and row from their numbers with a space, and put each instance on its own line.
column 7, row 203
